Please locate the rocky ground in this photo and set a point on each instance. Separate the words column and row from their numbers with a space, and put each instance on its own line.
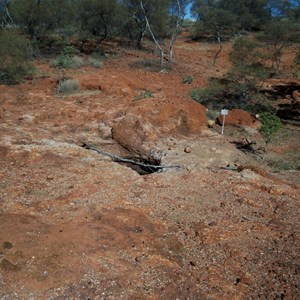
column 74, row 224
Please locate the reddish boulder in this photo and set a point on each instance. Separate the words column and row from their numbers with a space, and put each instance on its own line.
column 239, row 117
column 148, row 121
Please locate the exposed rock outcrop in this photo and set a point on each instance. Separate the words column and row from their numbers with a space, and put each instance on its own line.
column 148, row 121
column 287, row 94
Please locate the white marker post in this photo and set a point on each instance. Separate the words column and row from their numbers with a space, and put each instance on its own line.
column 224, row 113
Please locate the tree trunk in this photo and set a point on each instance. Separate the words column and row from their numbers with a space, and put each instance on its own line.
column 162, row 52
column 140, row 38
column 220, row 48
column 175, row 32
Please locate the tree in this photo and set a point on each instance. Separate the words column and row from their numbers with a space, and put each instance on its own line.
column 14, row 59
column 216, row 22
column 276, row 35
column 98, row 17
column 38, row 17
column 5, row 17
column 249, row 15
column 169, row 16
column 134, row 21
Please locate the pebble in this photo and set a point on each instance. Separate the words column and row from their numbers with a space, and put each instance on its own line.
column 187, row 149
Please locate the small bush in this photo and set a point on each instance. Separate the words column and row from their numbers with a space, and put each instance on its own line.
column 67, row 59
column 68, row 86
column 67, row 62
column 70, row 51
column 212, row 114
column 143, row 95
column 229, row 93
column 280, row 165
column 15, row 63
column 187, row 79
column 270, row 124
column 94, row 62
column 210, row 95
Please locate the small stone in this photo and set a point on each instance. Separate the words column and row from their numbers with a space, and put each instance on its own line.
column 50, row 177
column 7, row 245
column 211, row 123
column 187, row 149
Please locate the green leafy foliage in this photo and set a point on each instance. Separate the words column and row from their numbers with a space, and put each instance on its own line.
column 15, row 60
column 69, row 51
column 67, row 59
column 67, row 62
column 270, row 124
column 248, row 58
column 230, row 93
column 239, row 88
column 215, row 22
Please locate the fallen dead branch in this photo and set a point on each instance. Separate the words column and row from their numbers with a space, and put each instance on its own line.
column 126, row 160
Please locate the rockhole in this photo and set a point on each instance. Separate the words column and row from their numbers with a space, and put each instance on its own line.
column 143, row 166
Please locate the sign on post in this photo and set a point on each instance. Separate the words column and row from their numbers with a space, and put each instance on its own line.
column 224, row 113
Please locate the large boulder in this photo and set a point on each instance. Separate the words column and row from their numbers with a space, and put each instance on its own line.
column 239, row 117
column 147, row 122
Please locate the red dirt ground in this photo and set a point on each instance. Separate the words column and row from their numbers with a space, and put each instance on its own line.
column 76, row 225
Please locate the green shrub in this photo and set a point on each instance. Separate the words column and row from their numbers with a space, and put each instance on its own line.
column 68, row 86
column 67, row 59
column 187, row 79
column 248, row 58
column 67, row 62
column 15, row 63
column 94, row 62
column 70, row 51
column 209, row 96
column 270, row 124
column 212, row 114
column 280, row 165
column 143, row 95
column 225, row 93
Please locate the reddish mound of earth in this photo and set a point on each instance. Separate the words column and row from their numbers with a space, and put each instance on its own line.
column 239, row 117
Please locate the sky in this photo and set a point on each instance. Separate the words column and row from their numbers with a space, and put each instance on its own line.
column 188, row 13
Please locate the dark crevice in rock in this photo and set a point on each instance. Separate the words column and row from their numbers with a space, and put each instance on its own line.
column 143, row 165
column 148, row 167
